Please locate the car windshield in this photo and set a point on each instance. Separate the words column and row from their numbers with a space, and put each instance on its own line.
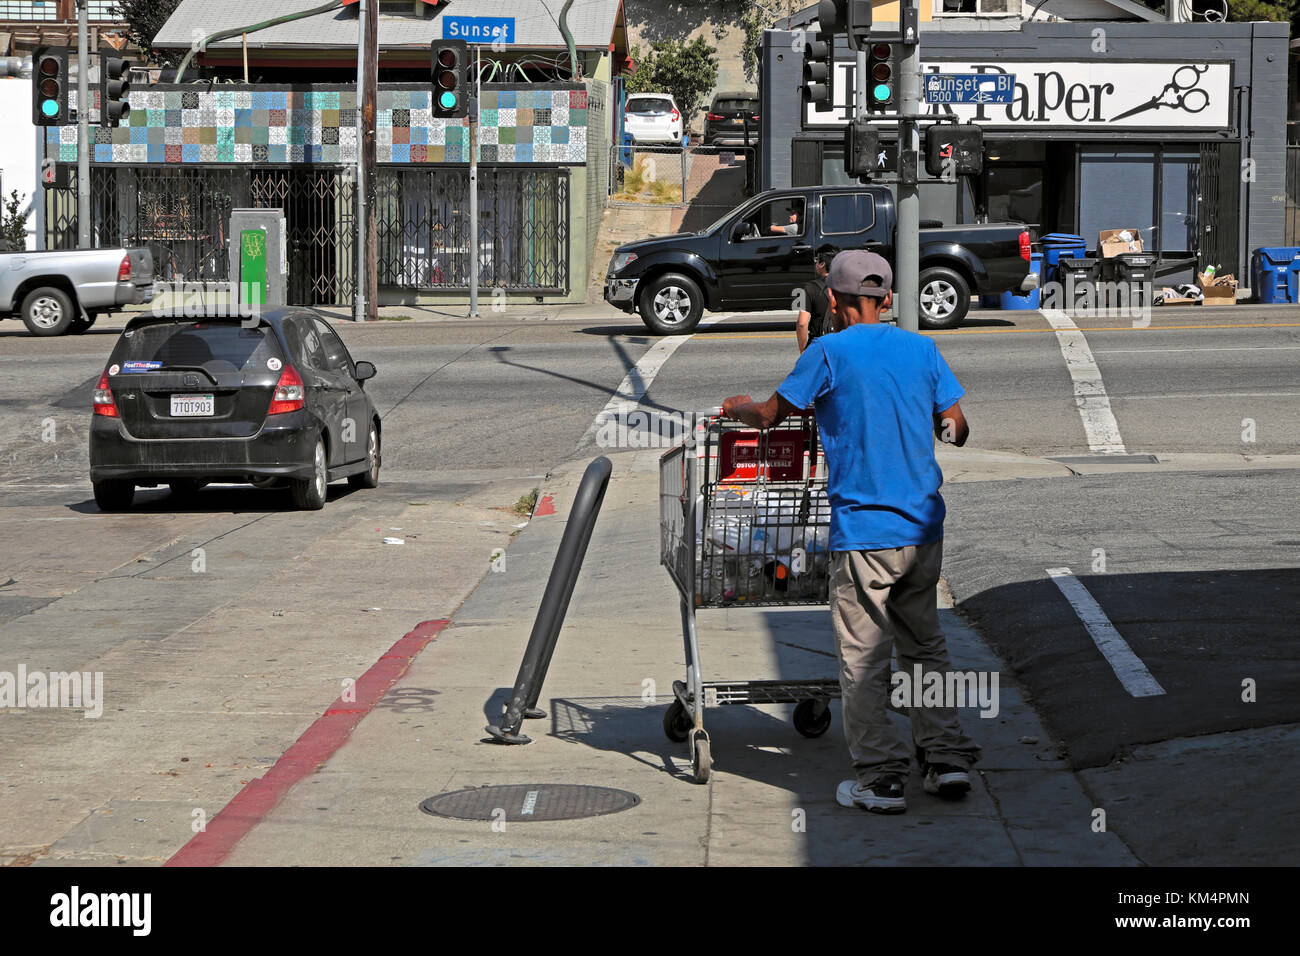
column 650, row 106
column 212, row 346
column 717, row 223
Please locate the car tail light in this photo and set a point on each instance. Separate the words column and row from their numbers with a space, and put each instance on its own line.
column 104, row 404
column 1024, row 246
column 124, row 270
column 289, row 393
column 713, row 117
column 676, row 115
column 756, row 117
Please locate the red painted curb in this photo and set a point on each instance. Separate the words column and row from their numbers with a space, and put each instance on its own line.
column 544, row 507
column 317, row 744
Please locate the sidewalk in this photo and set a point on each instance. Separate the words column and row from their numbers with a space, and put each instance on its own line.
column 771, row 799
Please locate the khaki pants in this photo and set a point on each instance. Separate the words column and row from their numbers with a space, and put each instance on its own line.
column 878, row 597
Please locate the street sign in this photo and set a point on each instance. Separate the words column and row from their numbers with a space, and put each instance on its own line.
column 970, row 87
column 478, row 29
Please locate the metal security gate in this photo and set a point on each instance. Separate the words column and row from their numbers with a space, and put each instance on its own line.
column 1293, row 195
column 319, row 205
column 183, row 215
column 1220, row 195
column 523, row 235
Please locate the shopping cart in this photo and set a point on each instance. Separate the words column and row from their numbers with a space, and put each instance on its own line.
column 744, row 522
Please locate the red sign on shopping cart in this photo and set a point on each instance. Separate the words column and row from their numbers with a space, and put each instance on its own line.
column 741, row 458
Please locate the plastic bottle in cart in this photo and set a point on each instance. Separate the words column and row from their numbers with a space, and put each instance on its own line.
column 1210, row 271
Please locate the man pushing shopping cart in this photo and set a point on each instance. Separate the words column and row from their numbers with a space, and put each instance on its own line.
column 879, row 394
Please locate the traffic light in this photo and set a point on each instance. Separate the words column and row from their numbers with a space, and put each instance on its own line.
column 450, row 67
column 861, row 144
column 849, row 17
column 819, row 72
column 952, row 151
column 114, row 90
column 50, row 86
column 882, row 77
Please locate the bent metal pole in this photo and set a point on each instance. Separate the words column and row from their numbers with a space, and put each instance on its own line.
column 555, row 604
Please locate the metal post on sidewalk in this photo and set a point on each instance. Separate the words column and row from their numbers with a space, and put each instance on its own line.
column 554, row 606
column 83, row 126
column 473, row 189
column 907, row 268
column 359, row 312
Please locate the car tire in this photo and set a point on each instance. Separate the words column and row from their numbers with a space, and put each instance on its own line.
column 309, row 493
column 80, row 326
column 672, row 304
column 114, row 495
column 370, row 477
column 944, row 298
column 48, row 311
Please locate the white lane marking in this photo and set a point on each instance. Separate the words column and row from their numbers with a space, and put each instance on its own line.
column 530, row 803
column 1089, row 393
column 1235, row 348
column 639, row 378
column 1128, row 667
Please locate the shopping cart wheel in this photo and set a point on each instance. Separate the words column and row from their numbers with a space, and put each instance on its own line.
column 701, row 759
column 812, row 718
column 677, row 723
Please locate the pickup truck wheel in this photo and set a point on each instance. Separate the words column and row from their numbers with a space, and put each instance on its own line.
column 945, row 298
column 48, row 311
column 672, row 304
column 80, row 325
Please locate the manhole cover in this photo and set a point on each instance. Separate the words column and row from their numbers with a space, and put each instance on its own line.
column 529, row 801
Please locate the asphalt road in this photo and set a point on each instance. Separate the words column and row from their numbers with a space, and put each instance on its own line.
column 1200, row 561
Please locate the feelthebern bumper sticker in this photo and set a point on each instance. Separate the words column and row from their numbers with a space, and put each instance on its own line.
column 128, row 367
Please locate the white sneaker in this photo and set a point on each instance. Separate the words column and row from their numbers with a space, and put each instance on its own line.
column 947, row 781
column 883, row 797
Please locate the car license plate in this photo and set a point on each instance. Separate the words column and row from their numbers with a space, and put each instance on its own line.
column 192, row 406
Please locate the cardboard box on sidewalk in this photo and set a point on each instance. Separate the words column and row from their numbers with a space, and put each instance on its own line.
column 1219, row 290
column 1112, row 245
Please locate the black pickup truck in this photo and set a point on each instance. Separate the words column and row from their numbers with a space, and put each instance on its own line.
column 757, row 256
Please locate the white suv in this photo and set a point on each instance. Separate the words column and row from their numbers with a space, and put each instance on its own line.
column 653, row 118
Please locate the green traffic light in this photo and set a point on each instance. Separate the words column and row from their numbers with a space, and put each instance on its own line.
column 881, row 92
column 50, row 108
column 447, row 100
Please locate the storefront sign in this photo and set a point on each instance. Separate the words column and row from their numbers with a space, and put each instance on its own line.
column 1096, row 94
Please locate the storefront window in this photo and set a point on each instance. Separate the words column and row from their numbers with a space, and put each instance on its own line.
column 1117, row 190
column 1179, row 174
column 1015, row 194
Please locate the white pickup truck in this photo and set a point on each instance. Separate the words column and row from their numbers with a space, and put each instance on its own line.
column 65, row 290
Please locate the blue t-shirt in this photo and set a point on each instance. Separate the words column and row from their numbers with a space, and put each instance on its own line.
column 875, row 390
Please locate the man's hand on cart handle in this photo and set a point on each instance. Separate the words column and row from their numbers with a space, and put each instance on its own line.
column 950, row 426
column 758, row 414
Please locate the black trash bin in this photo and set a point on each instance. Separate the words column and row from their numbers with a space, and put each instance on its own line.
column 1137, row 271
column 1078, row 278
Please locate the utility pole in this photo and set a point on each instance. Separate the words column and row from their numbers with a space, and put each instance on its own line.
column 473, row 188
column 363, row 232
column 369, row 265
column 83, row 127
column 908, row 254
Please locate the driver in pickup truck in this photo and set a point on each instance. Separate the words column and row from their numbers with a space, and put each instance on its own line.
column 881, row 396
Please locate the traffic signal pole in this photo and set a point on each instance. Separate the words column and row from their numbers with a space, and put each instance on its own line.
column 83, row 127
column 908, row 253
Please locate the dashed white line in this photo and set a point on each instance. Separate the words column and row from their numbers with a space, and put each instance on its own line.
column 1128, row 667
column 639, row 378
column 1089, row 392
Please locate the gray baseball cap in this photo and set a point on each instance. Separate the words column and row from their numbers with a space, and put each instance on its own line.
column 858, row 272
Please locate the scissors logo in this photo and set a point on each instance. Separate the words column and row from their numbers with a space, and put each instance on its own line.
column 1182, row 92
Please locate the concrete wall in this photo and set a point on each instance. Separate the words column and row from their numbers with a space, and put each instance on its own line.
column 18, row 148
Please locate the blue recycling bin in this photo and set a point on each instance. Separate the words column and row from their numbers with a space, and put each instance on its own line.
column 1059, row 245
column 1030, row 300
column 1275, row 274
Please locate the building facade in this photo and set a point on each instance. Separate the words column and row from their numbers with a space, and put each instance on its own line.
column 1175, row 130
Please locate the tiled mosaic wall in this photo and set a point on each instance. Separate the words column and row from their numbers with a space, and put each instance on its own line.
column 518, row 125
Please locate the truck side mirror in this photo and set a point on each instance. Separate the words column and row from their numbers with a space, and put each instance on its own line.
column 739, row 231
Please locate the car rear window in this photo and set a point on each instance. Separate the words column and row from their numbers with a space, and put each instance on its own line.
column 736, row 106
column 213, row 346
column 650, row 106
